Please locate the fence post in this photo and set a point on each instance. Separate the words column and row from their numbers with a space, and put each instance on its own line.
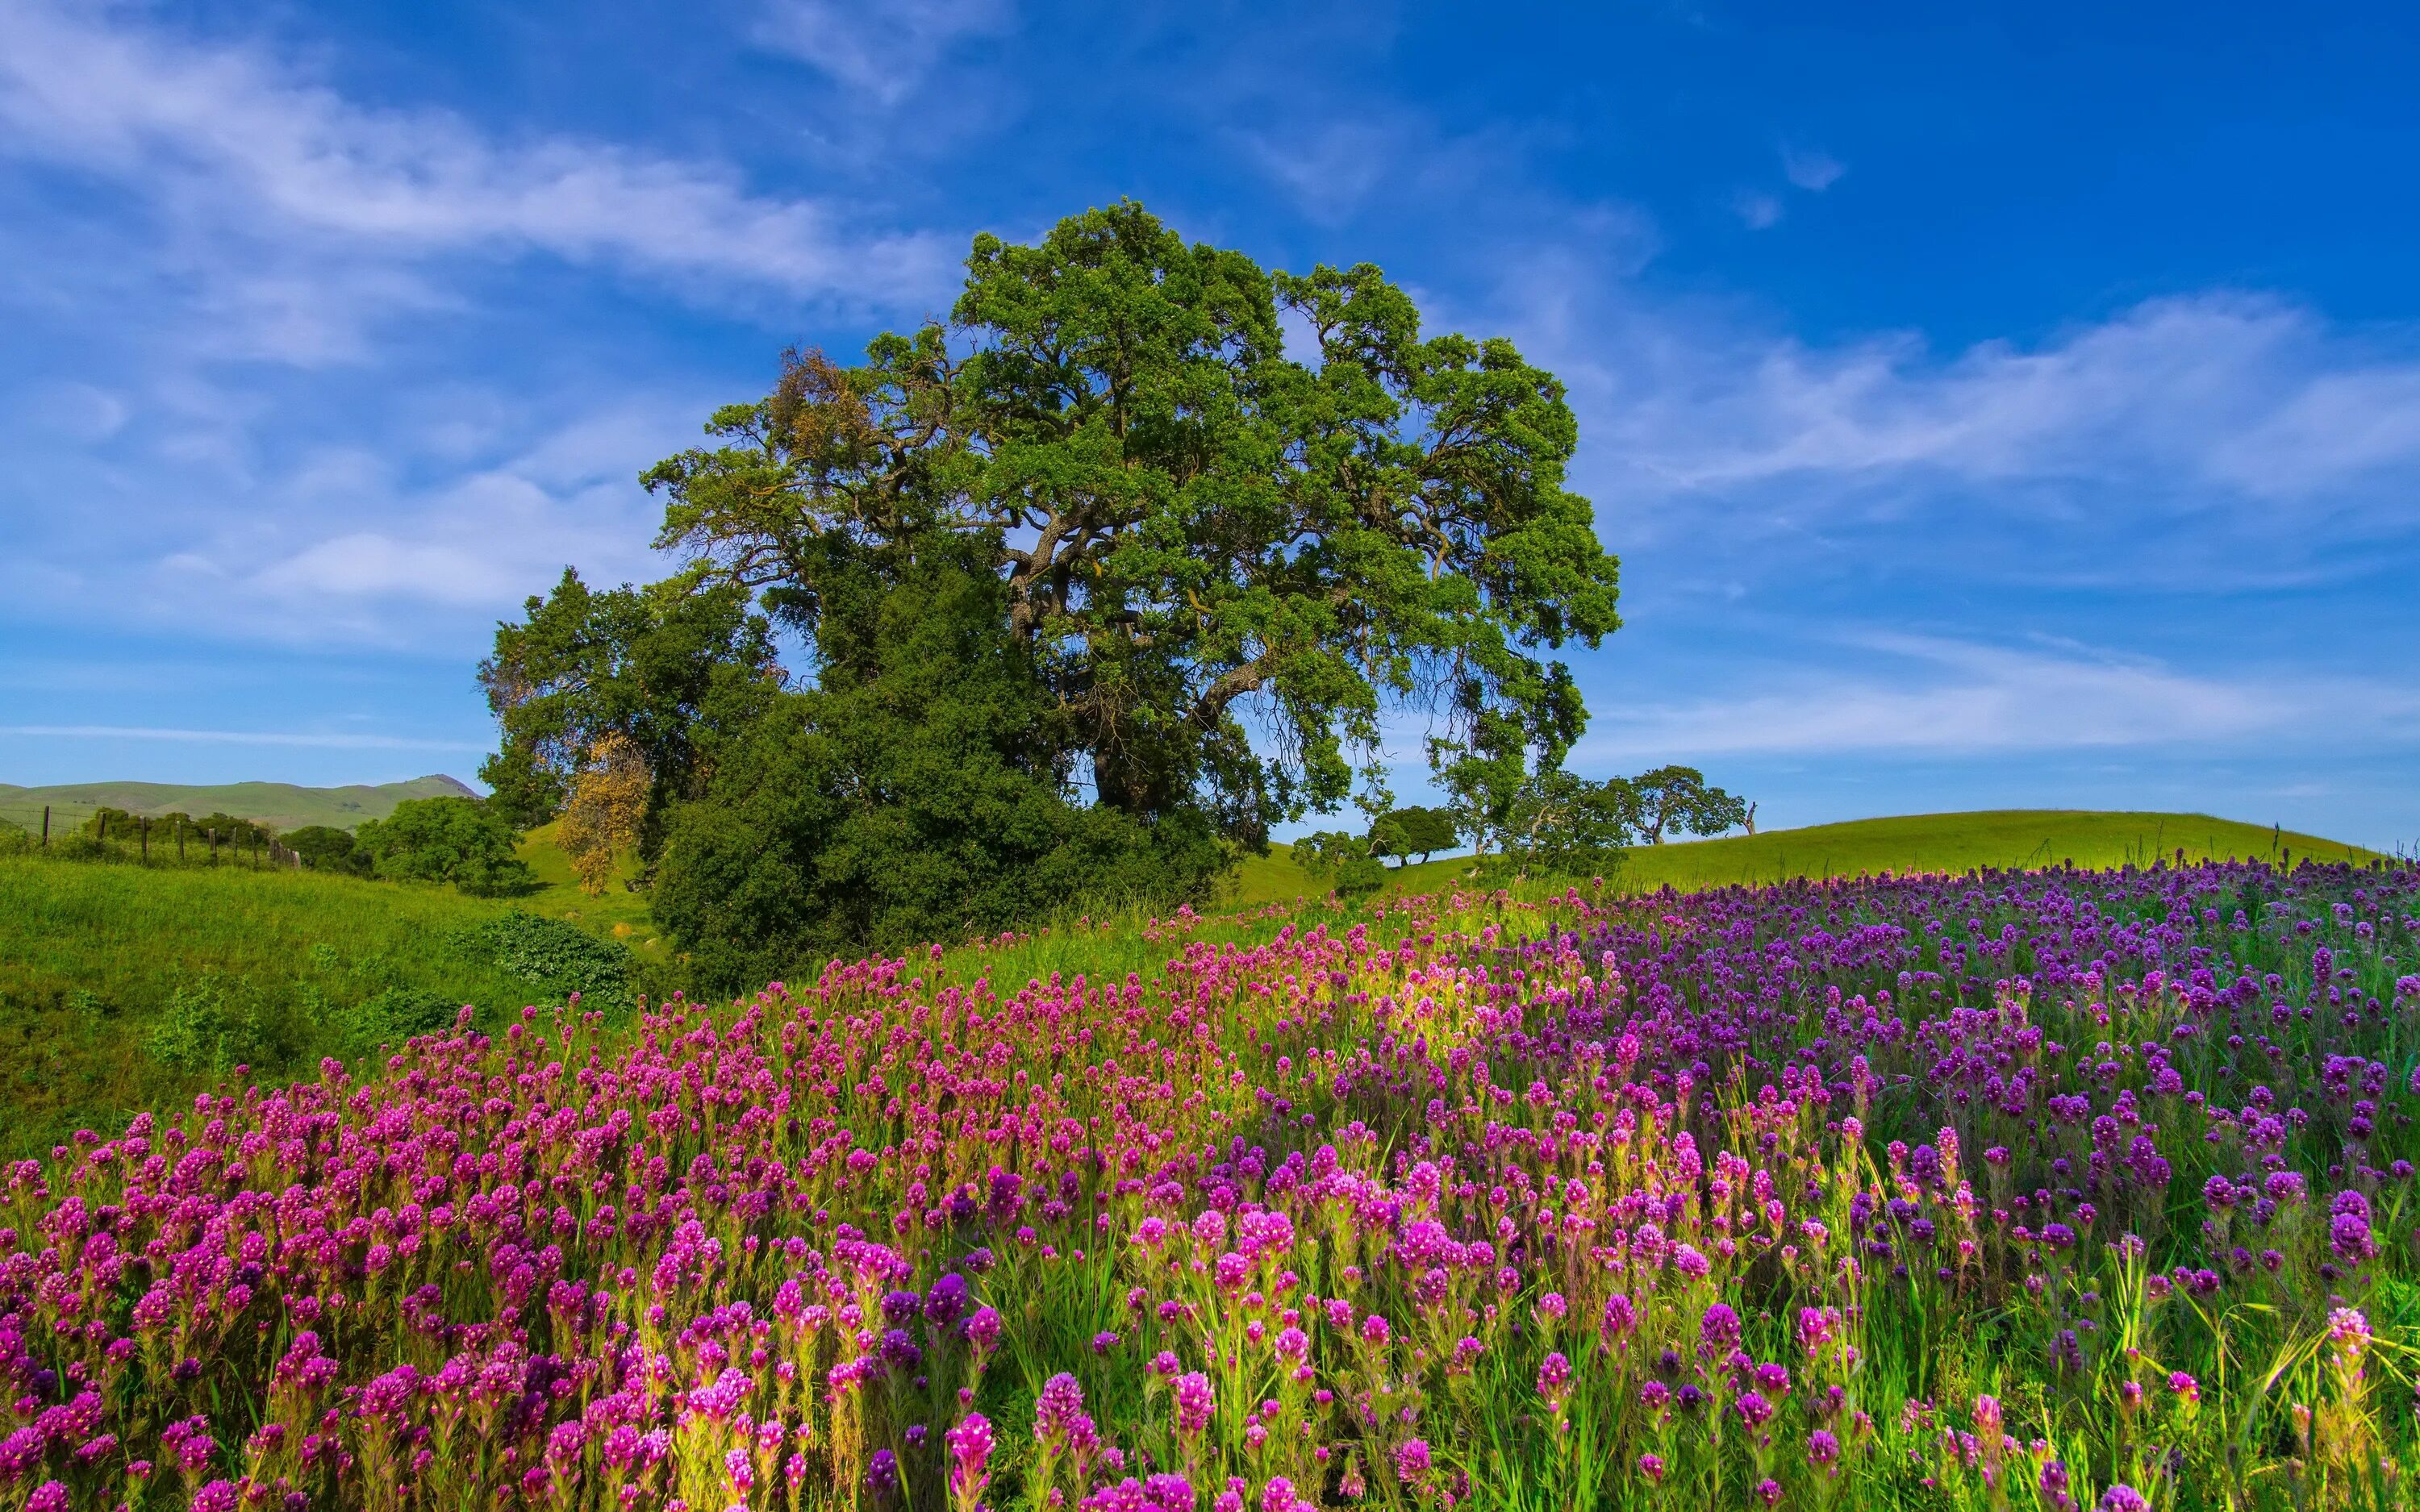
column 143, row 830
column 46, row 826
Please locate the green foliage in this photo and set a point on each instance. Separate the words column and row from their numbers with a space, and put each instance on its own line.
column 390, row 1017
column 205, row 1028
column 231, row 831
column 550, row 953
column 1677, row 800
column 1566, row 826
column 1347, row 863
column 672, row 667
column 1187, row 525
column 915, row 795
column 1412, row 834
column 460, row 840
column 326, row 848
column 104, row 823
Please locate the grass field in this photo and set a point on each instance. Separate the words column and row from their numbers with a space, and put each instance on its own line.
column 281, row 806
column 2023, row 837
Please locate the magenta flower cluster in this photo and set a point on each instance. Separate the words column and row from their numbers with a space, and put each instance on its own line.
column 1604, row 1198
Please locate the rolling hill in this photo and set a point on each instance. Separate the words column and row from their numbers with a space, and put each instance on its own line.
column 279, row 805
column 2027, row 838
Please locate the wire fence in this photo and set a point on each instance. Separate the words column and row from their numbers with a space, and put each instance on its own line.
column 176, row 839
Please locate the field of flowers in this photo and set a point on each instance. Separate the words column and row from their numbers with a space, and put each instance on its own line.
column 2062, row 1190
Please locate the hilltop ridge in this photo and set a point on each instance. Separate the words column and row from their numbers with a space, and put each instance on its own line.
column 279, row 805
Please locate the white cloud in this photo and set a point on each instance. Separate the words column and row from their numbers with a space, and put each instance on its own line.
column 882, row 49
column 1328, row 169
column 397, row 537
column 79, row 412
column 1956, row 697
column 2222, row 401
column 1756, row 209
column 1810, row 168
column 230, row 142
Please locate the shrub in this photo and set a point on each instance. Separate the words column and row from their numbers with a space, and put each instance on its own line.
column 459, row 841
column 392, row 1016
column 201, row 1029
column 550, row 953
column 326, row 848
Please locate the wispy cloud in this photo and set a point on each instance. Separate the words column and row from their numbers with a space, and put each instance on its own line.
column 1756, row 209
column 1811, row 168
column 2224, row 401
column 1328, row 169
column 1930, row 696
column 881, row 49
column 303, row 738
column 232, row 142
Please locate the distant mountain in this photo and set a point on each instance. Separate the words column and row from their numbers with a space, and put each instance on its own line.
column 281, row 806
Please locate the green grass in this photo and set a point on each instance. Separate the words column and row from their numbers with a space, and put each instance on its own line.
column 281, row 806
column 272, row 966
column 2030, row 838
column 617, row 911
column 96, row 954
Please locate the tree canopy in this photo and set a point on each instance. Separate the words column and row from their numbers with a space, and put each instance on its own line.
column 460, row 840
column 1095, row 583
column 1411, row 834
column 1188, row 523
column 1678, row 799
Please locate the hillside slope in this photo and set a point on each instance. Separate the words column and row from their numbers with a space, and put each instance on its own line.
column 279, row 805
column 2027, row 838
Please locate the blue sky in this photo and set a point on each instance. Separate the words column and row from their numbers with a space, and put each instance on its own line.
column 2018, row 408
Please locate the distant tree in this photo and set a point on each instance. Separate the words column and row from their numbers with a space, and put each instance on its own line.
column 326, row 848
column 460, row 840
column 1677, row 800
column 1412, row 833
column 1564, row 826
column 1340, row 860
column 104, row 822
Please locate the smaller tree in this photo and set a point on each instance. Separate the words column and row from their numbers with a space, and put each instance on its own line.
column 1677, row 800
column 460, row 840
column 1564, row 826
column 239, row 833
column 105, row 822
column 1342, row 861
column 1405, row 834
column 326, row 848
column 608, row 808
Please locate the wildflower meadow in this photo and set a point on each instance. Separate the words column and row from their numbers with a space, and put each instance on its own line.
column 2061, row 1190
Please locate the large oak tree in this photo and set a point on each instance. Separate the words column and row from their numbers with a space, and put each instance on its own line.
column 1186, row 533
column 1196, row 529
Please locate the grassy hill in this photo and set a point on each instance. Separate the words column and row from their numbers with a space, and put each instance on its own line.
column 124, row 986
column 281, row 806
column 2031, row 838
